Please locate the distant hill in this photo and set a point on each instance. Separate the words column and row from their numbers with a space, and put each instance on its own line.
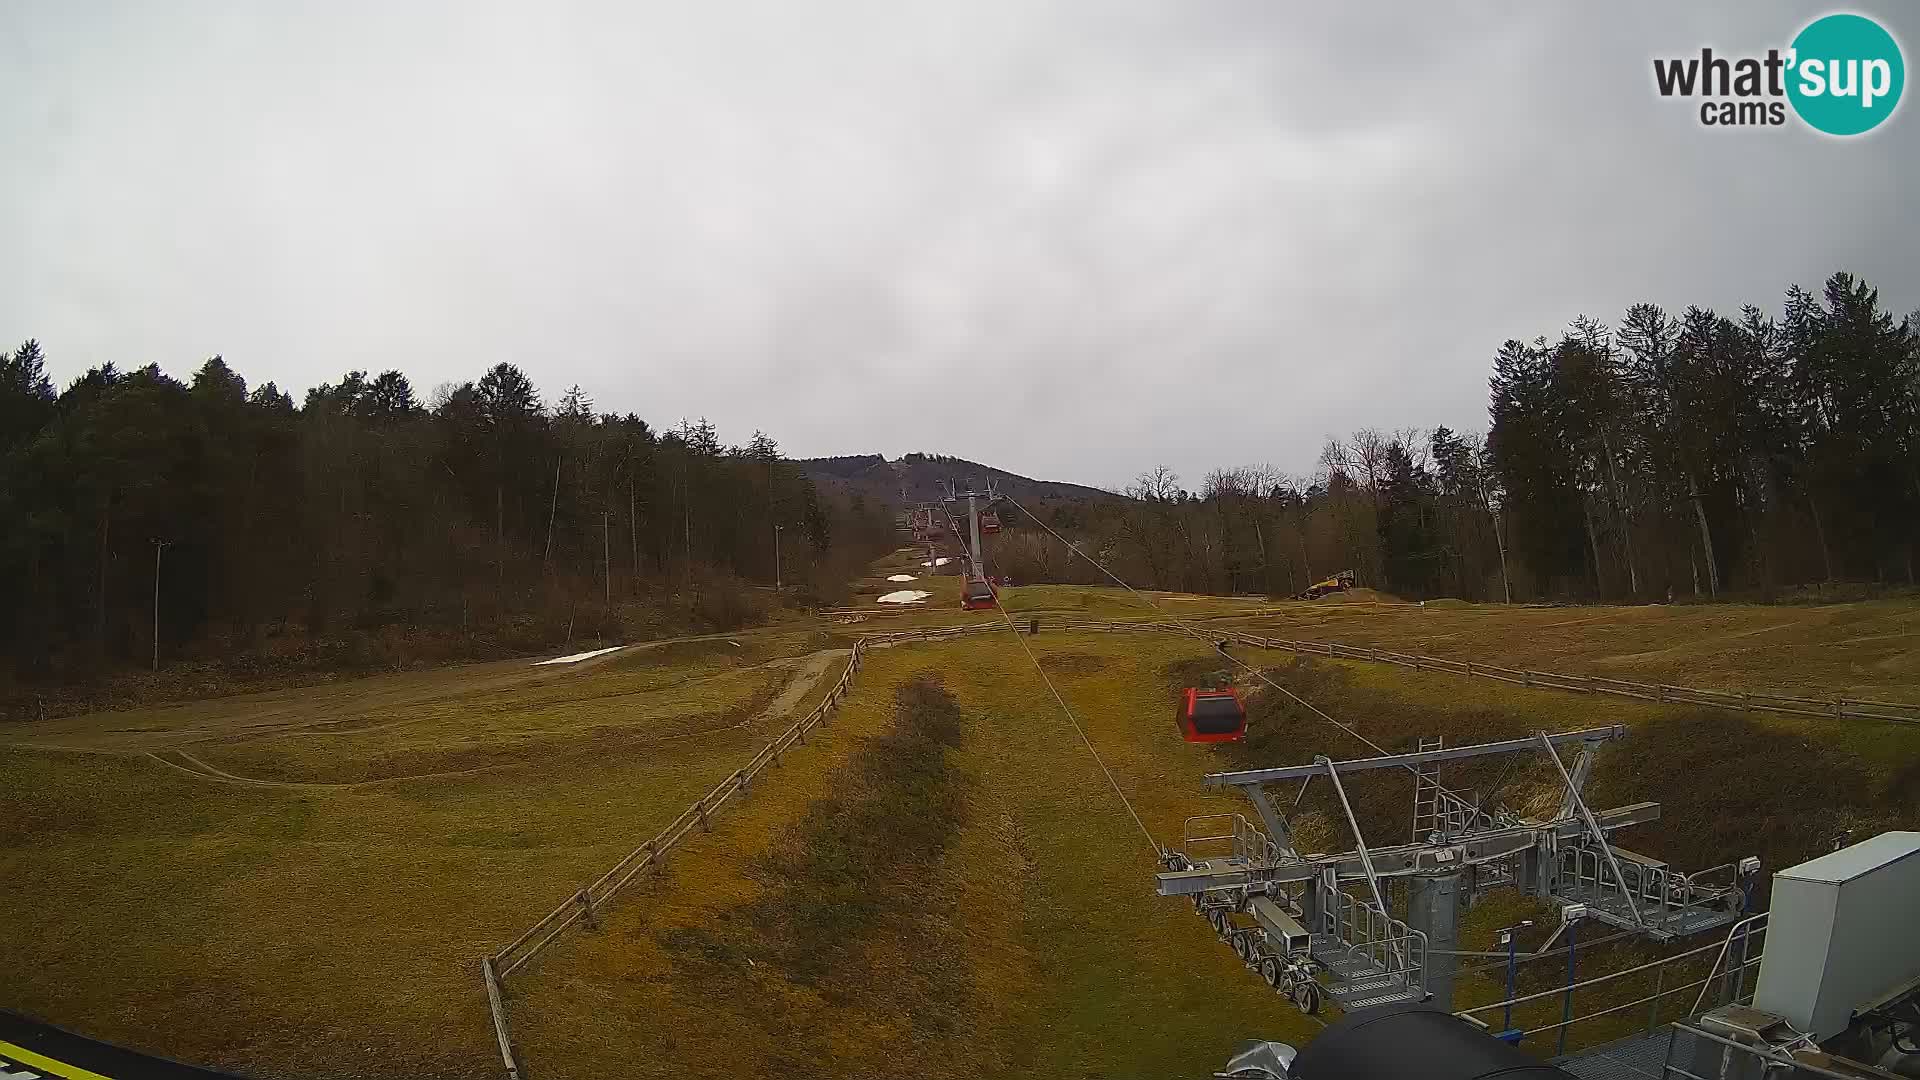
column 923, row 478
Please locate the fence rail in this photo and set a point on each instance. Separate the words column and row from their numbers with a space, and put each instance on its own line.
column 1835, row 708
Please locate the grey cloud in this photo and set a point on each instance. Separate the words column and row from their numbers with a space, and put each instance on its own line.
column 1071, row 239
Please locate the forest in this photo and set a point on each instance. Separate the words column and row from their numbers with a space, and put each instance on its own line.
column 148, row 521
column 1663, row 458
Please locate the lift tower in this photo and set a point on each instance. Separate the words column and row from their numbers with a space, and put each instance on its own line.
column 1328, row 924
column 976, row 592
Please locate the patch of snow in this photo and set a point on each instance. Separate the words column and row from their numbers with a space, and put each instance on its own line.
column 900, row 577
column 905, row 596
column 941, row 561
column 579, row 656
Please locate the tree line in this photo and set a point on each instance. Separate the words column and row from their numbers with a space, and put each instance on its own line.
column 143, row 519
column 1665, row 457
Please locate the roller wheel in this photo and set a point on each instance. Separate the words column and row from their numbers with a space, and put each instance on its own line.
column 1243, row 946
column 1270, row 971
column 1306, row 997
column 1199, row 904
column 1219, row 920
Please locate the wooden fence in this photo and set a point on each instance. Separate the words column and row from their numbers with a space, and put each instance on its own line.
column 587, row 904
column 1835, row 708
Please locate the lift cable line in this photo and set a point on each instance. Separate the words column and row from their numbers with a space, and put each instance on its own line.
column 1195, row 632
column 1044, row 677
column 1064, row 708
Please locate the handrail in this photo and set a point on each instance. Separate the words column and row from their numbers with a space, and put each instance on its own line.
column 1624, row 1005
column 1359, row 840
column 1725, row 945
column 1558, row 990
column 1762, row 1052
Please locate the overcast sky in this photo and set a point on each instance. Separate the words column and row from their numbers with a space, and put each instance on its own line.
column 1071, row 240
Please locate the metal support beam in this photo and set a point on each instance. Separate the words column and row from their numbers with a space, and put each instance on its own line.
column 1403, row 859
column 1360, row 844
column 1582, row 768
column 1276, row 825
column 1599, row 834
column 1433, row 908
column 1421, row 757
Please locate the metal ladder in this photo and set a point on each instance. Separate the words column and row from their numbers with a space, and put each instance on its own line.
column 1426, row 792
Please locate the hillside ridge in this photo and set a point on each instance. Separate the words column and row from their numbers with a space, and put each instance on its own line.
column 922, row 478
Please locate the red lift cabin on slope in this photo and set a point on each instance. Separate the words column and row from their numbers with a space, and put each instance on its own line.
column 977, row 595
column 1211, row 716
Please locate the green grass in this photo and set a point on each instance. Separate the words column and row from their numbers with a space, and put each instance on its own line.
column 334, row 931
column 312, row 932
column 1869, row 649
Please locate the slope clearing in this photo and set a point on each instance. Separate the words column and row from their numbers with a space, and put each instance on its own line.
column 330, row 927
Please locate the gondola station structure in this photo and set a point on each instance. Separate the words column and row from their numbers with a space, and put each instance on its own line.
column 1315, row 926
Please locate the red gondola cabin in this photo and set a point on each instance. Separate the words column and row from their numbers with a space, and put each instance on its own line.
column 977, row 594
column 1209, row 716
column 989, row 522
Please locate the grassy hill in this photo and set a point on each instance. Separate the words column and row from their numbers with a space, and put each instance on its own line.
column 923, row 478
column 942, row 882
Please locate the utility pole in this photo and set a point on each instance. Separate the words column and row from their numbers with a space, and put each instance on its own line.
column 159, row 545
column 1499, row 539
column 606, row 553
column 776, row 556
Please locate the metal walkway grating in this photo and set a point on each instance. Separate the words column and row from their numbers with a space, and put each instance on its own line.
column 1636, row 1057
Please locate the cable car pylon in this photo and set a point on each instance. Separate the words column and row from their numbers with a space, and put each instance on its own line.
column 976, row 592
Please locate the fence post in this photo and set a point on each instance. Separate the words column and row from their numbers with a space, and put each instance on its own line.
column 1526, row 677
column 701, row 809
column 588, row 915
column 499, row 1011
column 1746, row 701
column 1653, row 1006
column 656, row 857
column 1660, row 693
column 1469, row 664
column 1839, row 705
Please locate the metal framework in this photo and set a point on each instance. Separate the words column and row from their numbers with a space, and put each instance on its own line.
column 976, row 552
column 1318, row 924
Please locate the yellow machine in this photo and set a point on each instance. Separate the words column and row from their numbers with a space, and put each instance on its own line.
column 1339, row 582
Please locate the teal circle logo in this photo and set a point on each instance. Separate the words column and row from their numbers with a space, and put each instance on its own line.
column 1846, row 74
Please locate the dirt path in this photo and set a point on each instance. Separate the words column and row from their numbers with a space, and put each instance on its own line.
column 809, row 670
column 267, row 713
column 200, row 770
